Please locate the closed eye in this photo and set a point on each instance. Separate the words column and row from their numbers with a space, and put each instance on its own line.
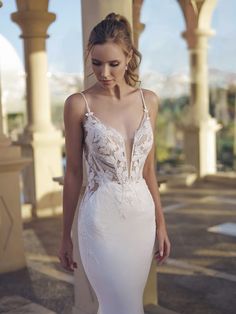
column 112, row 64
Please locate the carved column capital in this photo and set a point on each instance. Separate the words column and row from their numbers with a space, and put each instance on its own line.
column 197, row 15
column 34, row 24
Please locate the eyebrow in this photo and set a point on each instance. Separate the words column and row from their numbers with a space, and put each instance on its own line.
column 93, row 59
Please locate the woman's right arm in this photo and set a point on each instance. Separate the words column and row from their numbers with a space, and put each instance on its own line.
column 73, row 115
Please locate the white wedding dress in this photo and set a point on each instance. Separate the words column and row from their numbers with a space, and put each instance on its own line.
column 116, row 221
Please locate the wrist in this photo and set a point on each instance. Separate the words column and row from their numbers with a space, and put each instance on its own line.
column 66, row 236
column 160, row 221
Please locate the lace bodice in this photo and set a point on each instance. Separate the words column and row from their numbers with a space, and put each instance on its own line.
column 106, row 154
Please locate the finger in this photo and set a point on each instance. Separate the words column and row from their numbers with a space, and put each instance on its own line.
column 163, row 259
column 70, row 259
column 167, row 247
column 161, row 246
column 68, row 265
column 63, row 262
column 160, row 259
column 70, row 262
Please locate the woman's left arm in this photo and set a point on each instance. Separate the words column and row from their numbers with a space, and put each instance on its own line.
column 149, row 174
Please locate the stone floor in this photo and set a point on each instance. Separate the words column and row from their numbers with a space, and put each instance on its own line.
column 198, row 278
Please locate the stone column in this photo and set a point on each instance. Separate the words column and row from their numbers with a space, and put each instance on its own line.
column 11, row 238
column 200, row 128
column 138, row 27
column 40, row 139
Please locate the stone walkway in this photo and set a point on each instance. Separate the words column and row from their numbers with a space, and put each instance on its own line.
column 198, row 278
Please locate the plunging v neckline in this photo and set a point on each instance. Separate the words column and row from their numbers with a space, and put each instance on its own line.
column 114, row 130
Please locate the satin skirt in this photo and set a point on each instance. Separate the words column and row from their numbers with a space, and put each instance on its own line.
column 116, row 232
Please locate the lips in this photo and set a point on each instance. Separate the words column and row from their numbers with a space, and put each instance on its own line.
column 106, row 81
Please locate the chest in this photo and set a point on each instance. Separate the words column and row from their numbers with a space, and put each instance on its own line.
column 106, row 144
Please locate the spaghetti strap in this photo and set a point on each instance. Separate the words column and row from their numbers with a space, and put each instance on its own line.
column 88, row 109
column 143, row 100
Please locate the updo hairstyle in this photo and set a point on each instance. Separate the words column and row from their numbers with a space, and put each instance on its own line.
column 116, row 28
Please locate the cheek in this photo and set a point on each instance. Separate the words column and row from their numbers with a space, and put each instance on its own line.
column 118, row 71
column 95, row 69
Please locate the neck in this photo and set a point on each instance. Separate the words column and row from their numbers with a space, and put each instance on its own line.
column 116, row 92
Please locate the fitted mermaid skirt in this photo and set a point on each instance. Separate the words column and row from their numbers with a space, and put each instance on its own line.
column 116, row 240
column 116, row 220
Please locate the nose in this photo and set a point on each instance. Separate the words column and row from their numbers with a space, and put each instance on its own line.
column 105, row 71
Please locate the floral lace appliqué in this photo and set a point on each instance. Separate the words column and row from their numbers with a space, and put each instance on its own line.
column 105, row 152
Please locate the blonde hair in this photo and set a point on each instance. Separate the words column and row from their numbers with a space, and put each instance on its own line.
column 116, row 28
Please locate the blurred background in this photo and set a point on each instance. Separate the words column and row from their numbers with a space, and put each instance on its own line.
column 164, row 69
column 188, row 58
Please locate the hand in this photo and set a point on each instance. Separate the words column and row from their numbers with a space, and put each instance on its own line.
column 163, row 244
column 65, row 255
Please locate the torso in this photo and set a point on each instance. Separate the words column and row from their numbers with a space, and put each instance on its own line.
column 124, row 115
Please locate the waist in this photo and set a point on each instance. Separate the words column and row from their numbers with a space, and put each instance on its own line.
column 126, row 187
column 128, row 191
column 119, row 183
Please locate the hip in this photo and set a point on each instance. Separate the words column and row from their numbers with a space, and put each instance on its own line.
column 130, row 192
column 112, row 201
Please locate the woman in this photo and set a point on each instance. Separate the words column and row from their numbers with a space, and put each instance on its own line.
column 120, row 214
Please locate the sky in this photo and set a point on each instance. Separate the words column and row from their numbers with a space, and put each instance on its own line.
column 164, row 50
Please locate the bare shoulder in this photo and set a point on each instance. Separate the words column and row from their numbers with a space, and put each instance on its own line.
column 75, row 101
column 74, row 106
column 152, row 100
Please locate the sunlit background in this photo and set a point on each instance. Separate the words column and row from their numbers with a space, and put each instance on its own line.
column 198, row 203
column 164, row 69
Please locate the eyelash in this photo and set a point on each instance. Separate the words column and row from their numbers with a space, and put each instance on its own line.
column 112, row 65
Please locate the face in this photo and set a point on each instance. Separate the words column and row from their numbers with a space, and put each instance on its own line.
column 109, row 63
